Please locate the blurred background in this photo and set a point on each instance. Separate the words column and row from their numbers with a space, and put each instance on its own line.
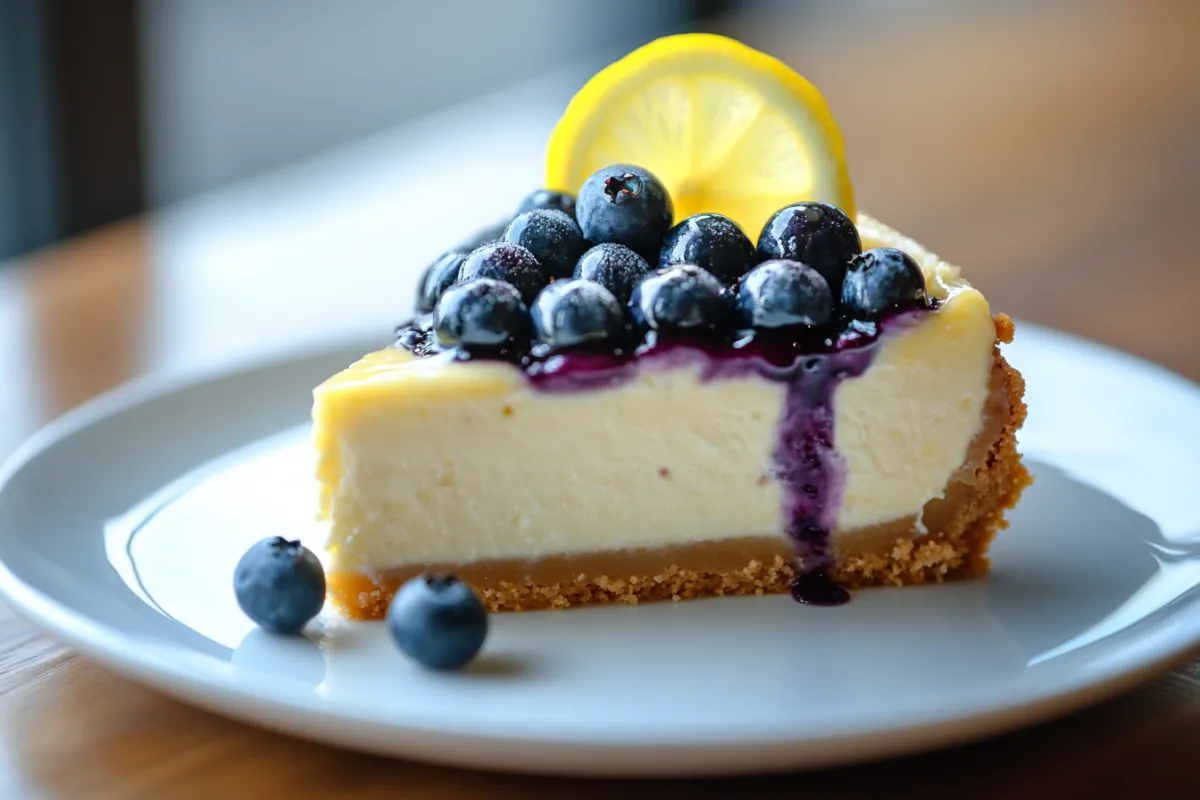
column 184, row 182
column 114, row 106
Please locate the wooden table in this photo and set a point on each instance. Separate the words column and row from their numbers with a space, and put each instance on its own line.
column 1052, row 149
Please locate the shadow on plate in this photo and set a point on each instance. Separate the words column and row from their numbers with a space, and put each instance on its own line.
column 1077, row 565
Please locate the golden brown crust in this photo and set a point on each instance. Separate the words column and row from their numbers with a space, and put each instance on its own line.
column 1004, row 329
column 961, row 526
column 957, row 546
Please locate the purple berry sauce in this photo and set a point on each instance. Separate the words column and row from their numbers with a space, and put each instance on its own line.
column 814, row 587
column 810, row 362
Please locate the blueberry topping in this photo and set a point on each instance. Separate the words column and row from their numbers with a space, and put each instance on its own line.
column 508, row 262
column 615, row 267
column 481, row 313
column 421, row 288
column 545, row 198
column 437, row 278
column 711, row 241
column 816, row 234
column 553, row 238
column 490, row 234
column 280, row 585
column 417, row 336
column 625, row 204
column 779, row 293
column 681, row 299
column 438, row 621
column 575, row 313
column 879, row 280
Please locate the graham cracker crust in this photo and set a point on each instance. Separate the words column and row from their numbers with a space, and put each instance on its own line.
column 960, row 527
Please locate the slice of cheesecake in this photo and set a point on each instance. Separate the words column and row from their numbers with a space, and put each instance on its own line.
column 679, row 411
column 886, row 457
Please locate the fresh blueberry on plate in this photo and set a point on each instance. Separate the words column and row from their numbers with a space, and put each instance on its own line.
column 626, row 204
column 879, row 280
column 279, row 584
column 438, row 622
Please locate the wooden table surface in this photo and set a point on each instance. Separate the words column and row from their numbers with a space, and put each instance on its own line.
column 1052, row 149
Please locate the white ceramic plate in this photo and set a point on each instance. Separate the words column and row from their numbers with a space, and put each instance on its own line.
column 121, row 523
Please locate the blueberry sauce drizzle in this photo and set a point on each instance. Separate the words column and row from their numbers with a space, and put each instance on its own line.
column 814, row 587
column 810, row 362
column 417, row 337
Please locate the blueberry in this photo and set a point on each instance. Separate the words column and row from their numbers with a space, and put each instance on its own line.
column 779, row 293
column 481, row 313
column 575, row 313
column 881, row 279
column 615, row 267
column 553, row 238
column 680, row 299
column 625, row 204
column 437, row 621
column 424, row 276
column 816, row 234
column 490, row 234
column 279, row 584
column 504, row 261
column 437, row 278
column 711, row 241
column 546, row 198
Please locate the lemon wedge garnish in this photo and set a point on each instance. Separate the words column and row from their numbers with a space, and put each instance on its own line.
column 726, row 128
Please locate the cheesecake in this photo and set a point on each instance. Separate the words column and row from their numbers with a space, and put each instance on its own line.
column 677, row 474
column 611, row 401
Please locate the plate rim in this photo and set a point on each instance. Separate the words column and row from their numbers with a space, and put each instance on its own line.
column 251, row 701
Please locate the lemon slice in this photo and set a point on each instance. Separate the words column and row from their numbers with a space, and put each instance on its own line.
column 728, row 129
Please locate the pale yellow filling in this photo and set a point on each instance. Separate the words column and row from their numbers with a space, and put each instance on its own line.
column 424, row 460
column 905, row 425
column 512, row 472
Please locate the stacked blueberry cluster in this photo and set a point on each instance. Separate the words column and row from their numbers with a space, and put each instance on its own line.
column 609, row 273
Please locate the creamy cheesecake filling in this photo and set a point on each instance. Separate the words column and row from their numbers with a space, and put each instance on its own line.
column 729, row 552
column 648, row 466
column 904, row 426
column 515, row 472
